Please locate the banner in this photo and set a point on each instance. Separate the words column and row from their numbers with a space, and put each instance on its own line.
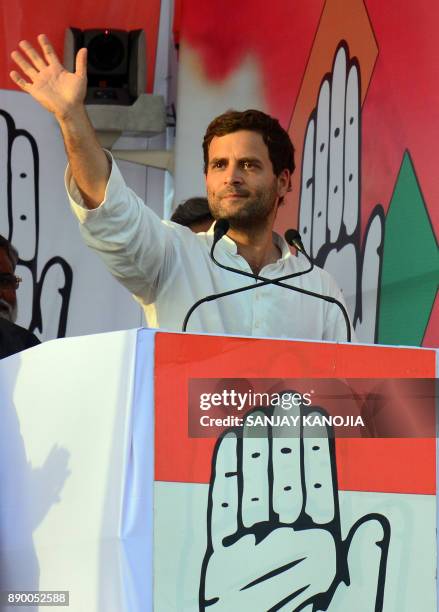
column 343, row 80
column 253, row 518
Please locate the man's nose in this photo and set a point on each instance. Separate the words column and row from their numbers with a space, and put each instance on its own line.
column 233, row 175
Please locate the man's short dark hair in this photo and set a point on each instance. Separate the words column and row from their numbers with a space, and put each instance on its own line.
column 10, row 250
column 193, row 210
column 277, row 140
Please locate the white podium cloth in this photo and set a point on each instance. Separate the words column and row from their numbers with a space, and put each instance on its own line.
column 76, row 461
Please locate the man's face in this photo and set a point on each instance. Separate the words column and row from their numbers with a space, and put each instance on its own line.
column 8, row 297
column 241, row 185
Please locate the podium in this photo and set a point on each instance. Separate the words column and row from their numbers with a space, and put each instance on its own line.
column 112, row 490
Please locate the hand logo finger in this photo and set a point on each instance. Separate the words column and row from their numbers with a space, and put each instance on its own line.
column 366, row 328
column 24, row 158
column 352, row 152
column 256, row 487
column 25, row 296
column 321, row 168
column 224, row 491
column 336, row 146
column 342, row 264
column 368, row 544
column 287, row 468
column 307, row 189
column 5, row 127
column 319, row 471
column 53, row 291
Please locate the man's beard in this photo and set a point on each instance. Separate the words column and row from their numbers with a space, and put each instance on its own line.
column 7, row 311
column 252, row 213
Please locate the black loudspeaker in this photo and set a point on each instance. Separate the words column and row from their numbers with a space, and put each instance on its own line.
column 116, row 64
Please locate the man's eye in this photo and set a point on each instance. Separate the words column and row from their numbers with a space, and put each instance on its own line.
column 247, row 165
column 219, row 164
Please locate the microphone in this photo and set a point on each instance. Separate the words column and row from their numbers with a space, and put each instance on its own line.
column 221, row 228
column 293, row 238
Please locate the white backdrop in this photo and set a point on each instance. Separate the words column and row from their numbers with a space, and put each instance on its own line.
column 97, row 303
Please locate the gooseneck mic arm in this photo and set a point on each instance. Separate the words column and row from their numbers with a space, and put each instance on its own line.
column 292, row 236
column 221, row 228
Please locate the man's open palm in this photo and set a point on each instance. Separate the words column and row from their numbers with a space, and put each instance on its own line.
column 48, row 82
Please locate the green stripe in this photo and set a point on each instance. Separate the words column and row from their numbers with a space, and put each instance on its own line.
column 410, row 268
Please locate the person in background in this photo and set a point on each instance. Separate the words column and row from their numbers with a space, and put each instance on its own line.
column 194, row 213
column 13, row 338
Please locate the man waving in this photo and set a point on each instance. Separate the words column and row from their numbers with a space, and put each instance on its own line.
column 248, row 162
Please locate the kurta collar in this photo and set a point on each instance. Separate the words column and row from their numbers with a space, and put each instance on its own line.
column 227, row 244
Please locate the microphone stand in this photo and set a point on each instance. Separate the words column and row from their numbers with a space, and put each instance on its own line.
column 266, row 281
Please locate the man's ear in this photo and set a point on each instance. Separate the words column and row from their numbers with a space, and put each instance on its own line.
column 283, row 183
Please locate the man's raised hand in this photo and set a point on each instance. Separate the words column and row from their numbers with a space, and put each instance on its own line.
column 59, row 91
column 62, row 93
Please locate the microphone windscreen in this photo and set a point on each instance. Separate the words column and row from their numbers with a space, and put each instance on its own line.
column 221, row 228
column 292, row 236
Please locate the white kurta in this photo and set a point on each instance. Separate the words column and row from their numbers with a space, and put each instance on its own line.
column 168, row 268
